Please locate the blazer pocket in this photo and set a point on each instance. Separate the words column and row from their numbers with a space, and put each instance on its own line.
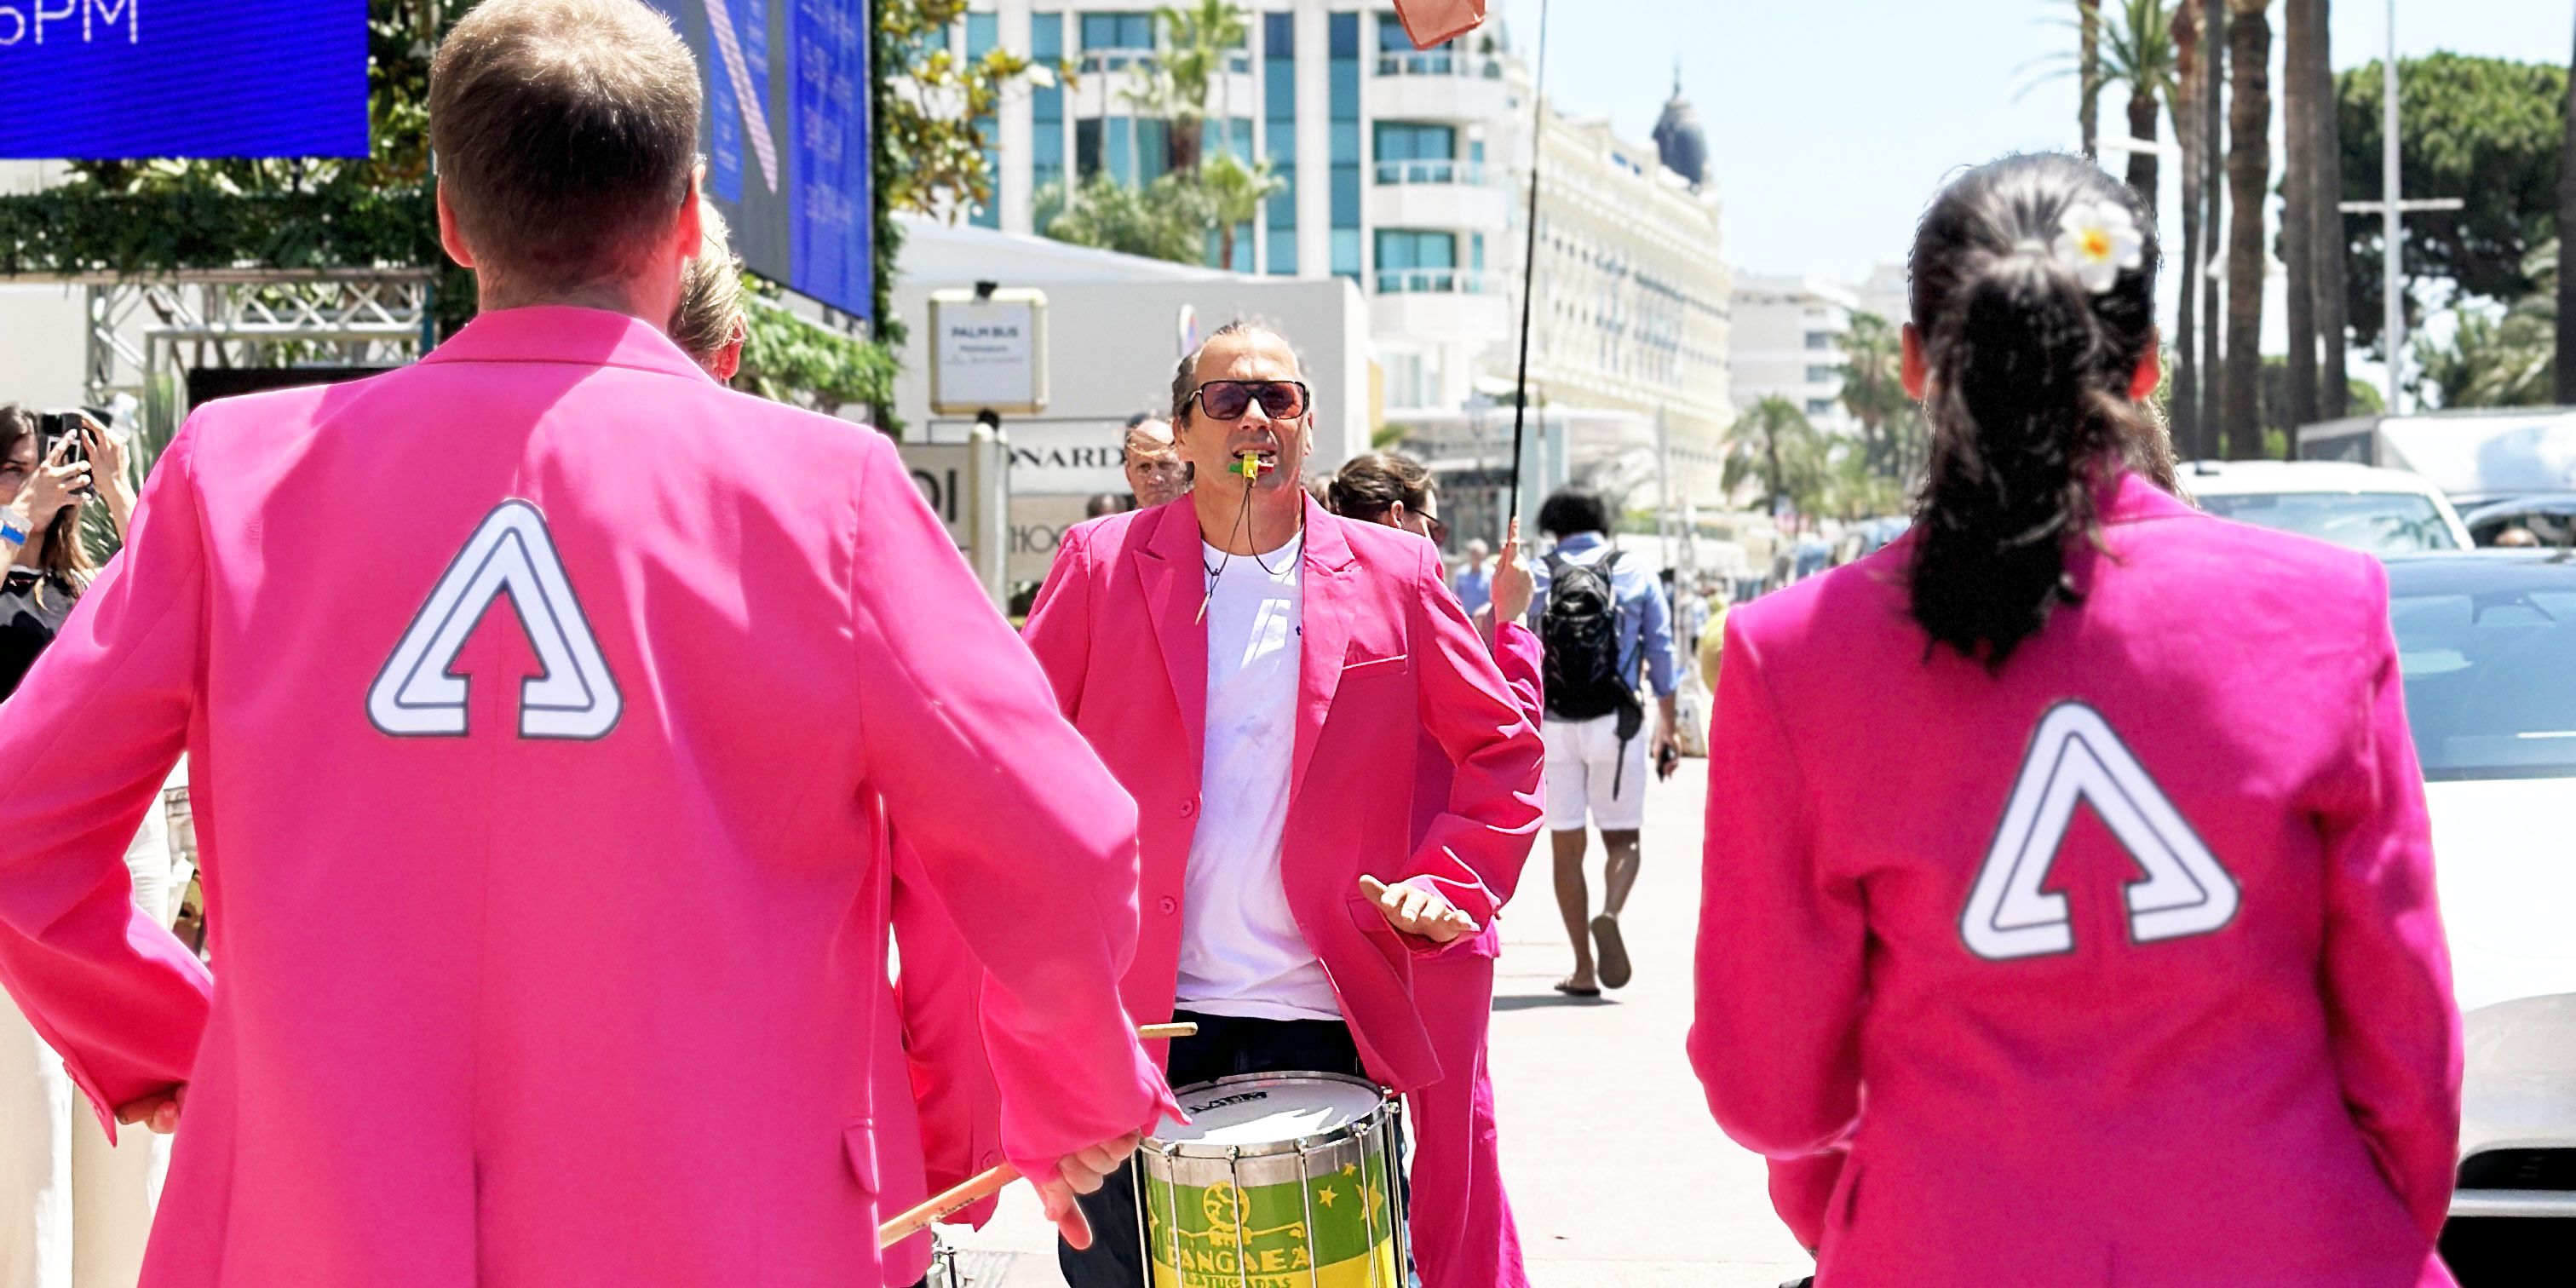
column 859, row 1145
column 1366, row 666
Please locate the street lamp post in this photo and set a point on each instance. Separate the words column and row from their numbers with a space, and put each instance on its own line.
column 2392, row 208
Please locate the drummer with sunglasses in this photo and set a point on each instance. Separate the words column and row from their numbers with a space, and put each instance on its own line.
column 1258, row 672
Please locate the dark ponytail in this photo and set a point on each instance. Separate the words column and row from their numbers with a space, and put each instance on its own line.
column 2028, row 397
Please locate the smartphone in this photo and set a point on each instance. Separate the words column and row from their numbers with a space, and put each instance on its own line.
column 53, row 427
column 1670, row 760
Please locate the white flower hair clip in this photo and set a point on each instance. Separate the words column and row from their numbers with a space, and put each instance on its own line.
column 2097, row 241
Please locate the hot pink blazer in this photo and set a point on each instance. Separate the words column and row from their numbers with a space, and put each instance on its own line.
column 559, row 982
column 1386, row 654
column 2119, row 967
column 1521, row 659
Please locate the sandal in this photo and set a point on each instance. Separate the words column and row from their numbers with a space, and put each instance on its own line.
column 1567, row 987
column 1611, row 951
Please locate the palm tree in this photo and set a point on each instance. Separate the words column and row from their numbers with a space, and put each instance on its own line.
column 2190, row 67
column 1776, row 445
column 2249, row 171
column 2565, row 346
column 1874, row 389
column 2139, row 50
column 1235, row 190
column 2298, row 211
column 2213, row 156
column 1198, row 44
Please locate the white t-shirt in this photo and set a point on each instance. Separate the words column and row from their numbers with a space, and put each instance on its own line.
column 1241, row 951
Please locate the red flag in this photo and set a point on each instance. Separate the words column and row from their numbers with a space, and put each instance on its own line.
column 1430, row 22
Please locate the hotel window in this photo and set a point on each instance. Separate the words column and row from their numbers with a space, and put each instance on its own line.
column 1046, row 105
column 1345, row 32
column 1279, row 129
column 982, row 33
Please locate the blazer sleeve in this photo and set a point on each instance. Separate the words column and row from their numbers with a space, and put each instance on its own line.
column 1775, row 1026
column 939, row 995
column 1059, row 627
column 84, row 747
column 1473, row 851
column 2393, row 1021
column 1024, row 836
column 1523, row 662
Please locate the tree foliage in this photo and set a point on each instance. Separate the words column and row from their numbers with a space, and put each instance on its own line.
column 1776, row 446
column 2499, row 357
column 1166, row 219
column 2487, row 130
column 1873, row 390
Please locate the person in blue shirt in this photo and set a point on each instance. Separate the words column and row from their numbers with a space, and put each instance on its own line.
column 1475, row 583
column 1599, row 655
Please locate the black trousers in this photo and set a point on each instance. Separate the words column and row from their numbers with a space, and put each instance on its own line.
column 1224, row 1046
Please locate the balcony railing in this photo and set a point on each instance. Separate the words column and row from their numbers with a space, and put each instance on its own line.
column 1440, row 62
column 1435, row 281
column 1428, row 172
column 1094, row 62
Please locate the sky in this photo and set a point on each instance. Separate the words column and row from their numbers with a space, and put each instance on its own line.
column 1831, row 122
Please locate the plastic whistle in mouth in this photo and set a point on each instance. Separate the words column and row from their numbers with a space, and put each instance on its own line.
column 1249, row 464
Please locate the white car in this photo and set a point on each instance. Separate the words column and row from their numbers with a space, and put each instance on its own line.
column 2487, row 648
column 2362, row 507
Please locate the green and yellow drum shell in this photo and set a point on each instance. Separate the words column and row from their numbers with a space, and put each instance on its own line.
column 1279, row 1181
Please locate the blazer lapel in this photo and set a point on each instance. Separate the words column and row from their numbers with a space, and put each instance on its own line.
column 1175, row 579
column 1324, row 627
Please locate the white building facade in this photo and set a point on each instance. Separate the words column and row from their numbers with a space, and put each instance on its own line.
column 1788, row 343
column 1405, row 175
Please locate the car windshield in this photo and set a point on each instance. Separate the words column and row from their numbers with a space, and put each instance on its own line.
column 2379, row 523
column 2488, row 652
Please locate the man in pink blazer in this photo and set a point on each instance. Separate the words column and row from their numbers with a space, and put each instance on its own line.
column 1258, row 672
column 545, row 933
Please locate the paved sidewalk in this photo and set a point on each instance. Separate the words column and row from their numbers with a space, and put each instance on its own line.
column 1616, row 1173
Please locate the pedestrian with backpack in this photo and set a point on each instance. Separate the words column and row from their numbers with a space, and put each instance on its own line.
column 1607, row 631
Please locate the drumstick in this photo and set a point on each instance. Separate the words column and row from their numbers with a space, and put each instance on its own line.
column 983, row 1185
column 976, row 1189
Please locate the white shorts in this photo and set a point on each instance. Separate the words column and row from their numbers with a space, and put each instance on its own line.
column 1584, row 759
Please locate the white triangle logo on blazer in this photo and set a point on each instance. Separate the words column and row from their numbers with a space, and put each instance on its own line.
column 417, row 696
column 2076, row 758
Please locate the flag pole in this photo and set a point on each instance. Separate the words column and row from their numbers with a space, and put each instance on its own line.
column 1529, row 259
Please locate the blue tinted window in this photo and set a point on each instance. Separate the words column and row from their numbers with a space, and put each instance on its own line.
column 1117, row 31
column 1406, row 248
column 1403, row 141
column 1345, row 28
column 1346, row 252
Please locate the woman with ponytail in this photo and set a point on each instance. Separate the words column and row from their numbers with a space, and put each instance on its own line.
column 2069, row 910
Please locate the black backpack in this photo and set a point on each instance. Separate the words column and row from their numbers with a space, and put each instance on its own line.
column 1580, row 628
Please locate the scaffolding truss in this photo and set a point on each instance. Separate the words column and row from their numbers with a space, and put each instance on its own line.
column 145, row 333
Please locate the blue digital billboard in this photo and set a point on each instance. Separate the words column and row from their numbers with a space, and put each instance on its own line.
column 115, row 79
column 786, row 135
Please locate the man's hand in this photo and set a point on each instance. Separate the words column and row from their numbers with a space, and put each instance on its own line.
column 1417, row 911
column 155, row 1113
column 1081, row 1172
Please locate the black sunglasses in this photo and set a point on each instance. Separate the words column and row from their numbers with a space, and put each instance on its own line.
column 1229, row 399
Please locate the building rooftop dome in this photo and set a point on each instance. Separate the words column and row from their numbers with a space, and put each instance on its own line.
column 1678, row 137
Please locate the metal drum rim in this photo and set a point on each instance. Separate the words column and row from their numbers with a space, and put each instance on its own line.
column 1357, row 1129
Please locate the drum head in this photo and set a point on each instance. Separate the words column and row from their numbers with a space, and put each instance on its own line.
column 1253, row 1110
